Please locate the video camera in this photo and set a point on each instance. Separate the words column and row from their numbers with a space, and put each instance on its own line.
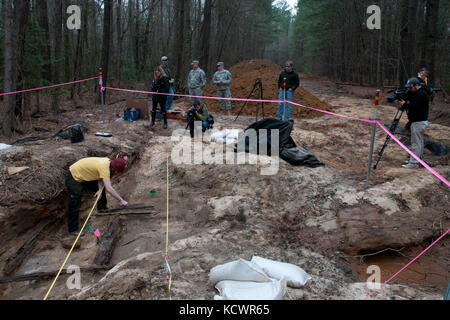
column 401, row 94
column 404, row 94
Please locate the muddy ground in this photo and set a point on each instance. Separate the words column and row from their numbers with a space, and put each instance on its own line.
column 321, row 219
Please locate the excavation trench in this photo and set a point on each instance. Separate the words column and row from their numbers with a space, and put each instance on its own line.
column 321, row 219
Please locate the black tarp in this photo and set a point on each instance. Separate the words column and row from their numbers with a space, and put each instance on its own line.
column 288, row 149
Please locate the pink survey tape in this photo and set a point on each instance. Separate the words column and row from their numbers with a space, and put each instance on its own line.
column 375, row 291
column 296, row 104
column 47, row 87
column 414, row 156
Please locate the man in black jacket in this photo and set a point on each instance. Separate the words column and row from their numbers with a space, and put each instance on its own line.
column 288, row 82
column 417, row 109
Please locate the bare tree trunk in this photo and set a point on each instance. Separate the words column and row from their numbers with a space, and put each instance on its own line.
column 106, row 41
column 10, row 72
column 43, row 23
column 206, row 28
column 22, row 10
column 178, row 48
column 380, row 53
column 59, row 65
column 429, row 56
column 119, row 39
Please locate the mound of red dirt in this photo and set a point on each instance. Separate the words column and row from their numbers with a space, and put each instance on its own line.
column 245, row 75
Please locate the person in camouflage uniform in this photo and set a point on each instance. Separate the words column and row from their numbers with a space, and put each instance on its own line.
column 222, row 78
column 196, row 82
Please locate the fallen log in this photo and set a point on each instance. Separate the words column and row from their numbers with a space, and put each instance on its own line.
column 16, row 260
column 124, row 213
column 45, row 275
column 108, row 241
column 135, row 207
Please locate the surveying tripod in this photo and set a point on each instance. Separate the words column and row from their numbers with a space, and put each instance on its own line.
column 258, row 85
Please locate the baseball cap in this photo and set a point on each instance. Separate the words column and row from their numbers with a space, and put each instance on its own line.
column 220, row 64
column 195, row 62
column 164, row 58
column 412, row 81
column 118, row 165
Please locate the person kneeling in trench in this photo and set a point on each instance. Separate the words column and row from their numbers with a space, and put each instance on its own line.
column 91, row 174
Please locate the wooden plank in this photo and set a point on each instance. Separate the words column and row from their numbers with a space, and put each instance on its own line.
column 123, row 209
column 45, row 275
column 16, row 260
column 125, row 213
column 108, row 241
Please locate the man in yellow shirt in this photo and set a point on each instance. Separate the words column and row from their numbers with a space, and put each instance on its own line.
column 92, row 174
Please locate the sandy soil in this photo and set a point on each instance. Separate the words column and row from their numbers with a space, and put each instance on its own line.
column 219, row 213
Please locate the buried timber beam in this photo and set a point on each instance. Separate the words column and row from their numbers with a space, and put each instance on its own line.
column 16, row 260
column 136, row 207
column 108, row 241
column 124, row 213
column 45, row 275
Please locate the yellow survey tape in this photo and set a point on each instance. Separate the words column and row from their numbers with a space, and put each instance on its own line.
column 167, row 228
column 76, row 240
column 73, row 246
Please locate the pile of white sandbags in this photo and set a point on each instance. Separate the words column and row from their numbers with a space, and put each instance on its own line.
column 258, row 279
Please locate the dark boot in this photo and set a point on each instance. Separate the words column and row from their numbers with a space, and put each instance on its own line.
column 153, row 118
column 165, row 120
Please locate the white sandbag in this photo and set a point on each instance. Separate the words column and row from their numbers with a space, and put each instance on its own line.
column 4, row 146
column 294, row 275
column 239, row 270
column 246, row 290
column 219, row 136
column 228, row 136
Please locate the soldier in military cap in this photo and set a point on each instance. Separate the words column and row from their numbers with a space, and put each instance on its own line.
column 222, row 78
column 196, row 81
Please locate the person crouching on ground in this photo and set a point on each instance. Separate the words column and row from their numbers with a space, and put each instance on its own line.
column 197, row 113
column 417, row 109
column 92, row 174
column 160, row 85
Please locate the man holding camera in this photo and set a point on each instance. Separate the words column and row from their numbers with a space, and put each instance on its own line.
column 198, row 112
column 417, row 109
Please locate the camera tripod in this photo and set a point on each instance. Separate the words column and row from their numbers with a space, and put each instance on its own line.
column 258, row 85
column 392, row 130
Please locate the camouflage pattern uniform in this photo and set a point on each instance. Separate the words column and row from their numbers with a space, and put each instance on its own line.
column 196, row 83
column 223, row 79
